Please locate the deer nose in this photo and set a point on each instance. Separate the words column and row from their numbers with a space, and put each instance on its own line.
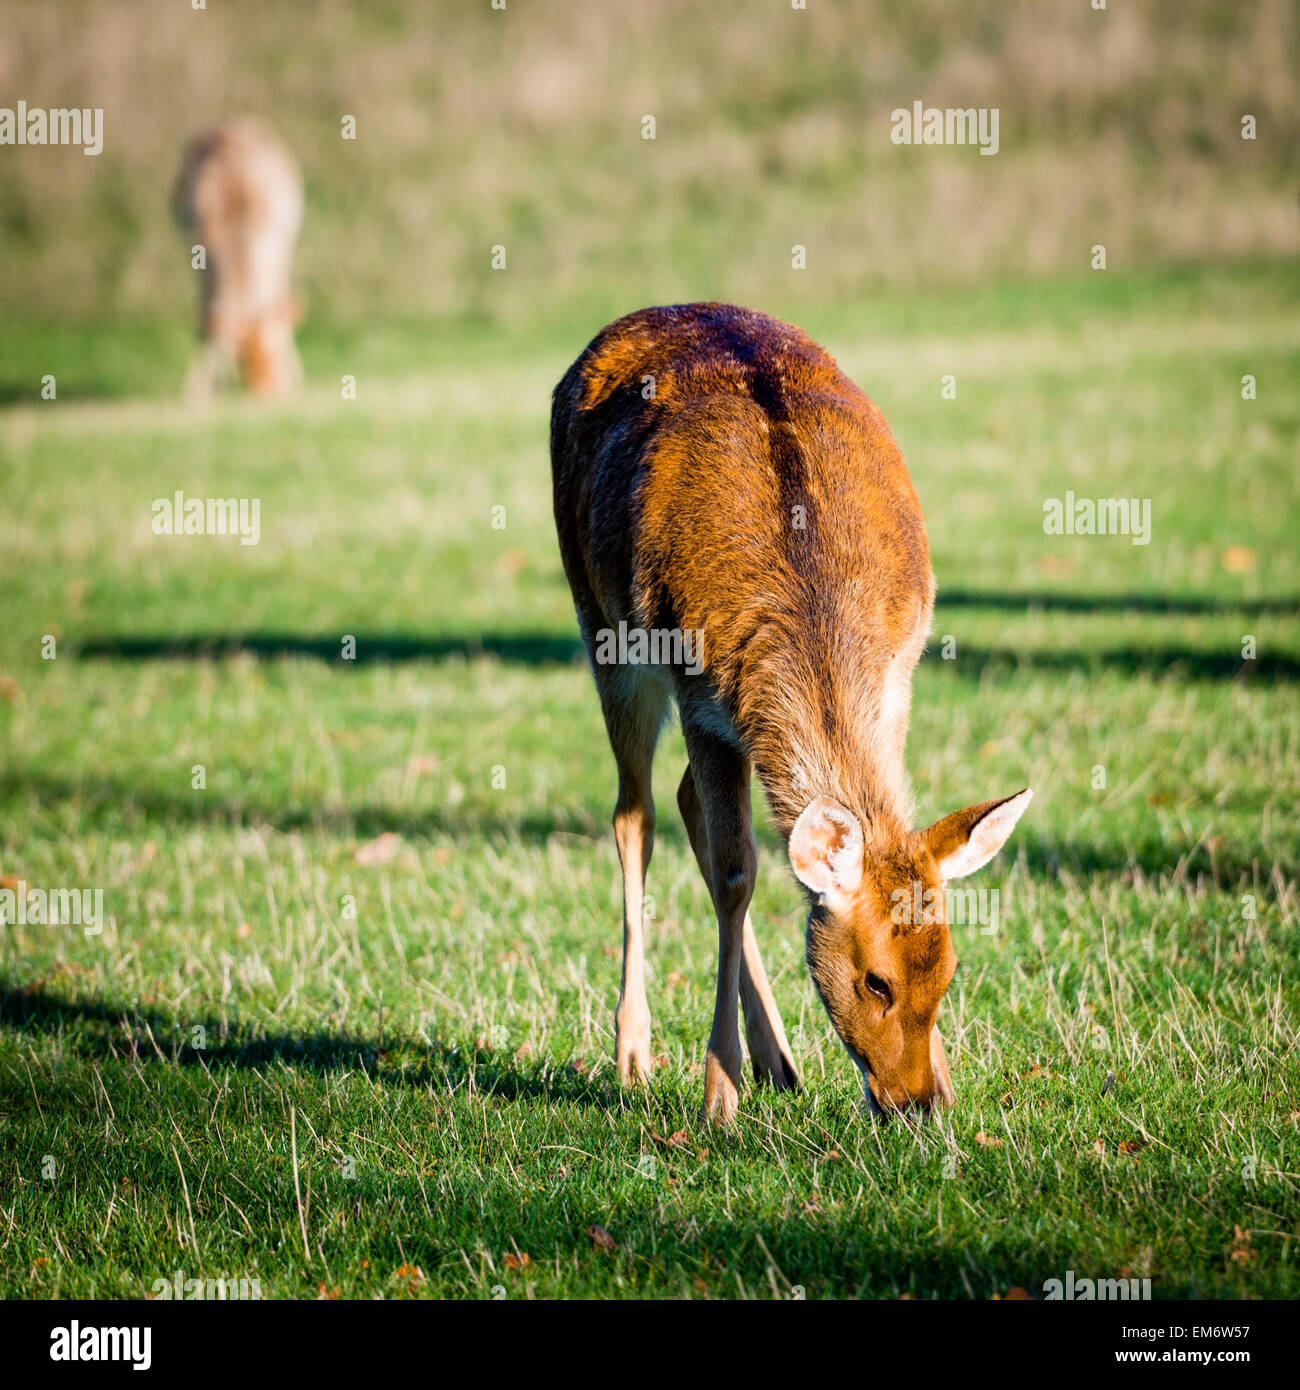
column 921, row 1096
column 924, row 1094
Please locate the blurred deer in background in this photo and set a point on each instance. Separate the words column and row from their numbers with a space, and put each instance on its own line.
column 239, row 194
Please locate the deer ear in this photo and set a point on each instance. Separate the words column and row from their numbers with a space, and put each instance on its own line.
column 826, row 847
column 967, row 840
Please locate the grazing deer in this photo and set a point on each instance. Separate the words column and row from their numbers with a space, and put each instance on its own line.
column 239, row 194
column 715, row 473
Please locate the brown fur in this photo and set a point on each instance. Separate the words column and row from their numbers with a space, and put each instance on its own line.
column 715, row 471
column 239, row 194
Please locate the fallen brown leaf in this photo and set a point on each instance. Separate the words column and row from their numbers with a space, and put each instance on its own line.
column 1055, row 565
column 1238, row 559
column 1241, row 1252
column 379, row 850
column 601, row 1238
column 988, row 1141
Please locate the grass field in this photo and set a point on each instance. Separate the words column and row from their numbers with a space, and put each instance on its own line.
column 241, row 1076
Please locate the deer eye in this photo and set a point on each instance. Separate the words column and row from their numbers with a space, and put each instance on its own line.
column 880, row 989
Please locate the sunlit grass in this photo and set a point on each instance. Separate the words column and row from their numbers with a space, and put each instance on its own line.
column 436, row 1028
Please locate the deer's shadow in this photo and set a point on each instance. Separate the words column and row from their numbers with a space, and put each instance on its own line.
column 128, row 1032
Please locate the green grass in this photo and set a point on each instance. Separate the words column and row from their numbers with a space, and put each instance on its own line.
column 442, row 1060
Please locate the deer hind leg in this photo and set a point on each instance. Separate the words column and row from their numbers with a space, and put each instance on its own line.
column 635, row 709
column 204, row 370
column 214, row 358
column 769, row 1052
column 721, row 774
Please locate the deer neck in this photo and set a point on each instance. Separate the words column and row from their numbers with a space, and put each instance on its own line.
column 842, row 748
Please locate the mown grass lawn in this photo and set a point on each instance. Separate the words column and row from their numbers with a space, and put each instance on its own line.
column 395, row 1079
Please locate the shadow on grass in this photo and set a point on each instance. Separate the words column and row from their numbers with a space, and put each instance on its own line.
column 117, row 801
column 128, row 1032
column 1170, row 663
column 519, row 649
column 1117, row 603
column 824, row 1248
column 123, row 801
column 551, row 649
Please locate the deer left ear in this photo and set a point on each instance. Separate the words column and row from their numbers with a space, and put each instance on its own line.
column 967, row 840
column 826, row 848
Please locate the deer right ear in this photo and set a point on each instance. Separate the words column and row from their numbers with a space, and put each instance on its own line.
column 826, row 848
column 967, row 840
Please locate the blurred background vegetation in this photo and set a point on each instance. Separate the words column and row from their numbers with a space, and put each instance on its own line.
column 522, row 127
